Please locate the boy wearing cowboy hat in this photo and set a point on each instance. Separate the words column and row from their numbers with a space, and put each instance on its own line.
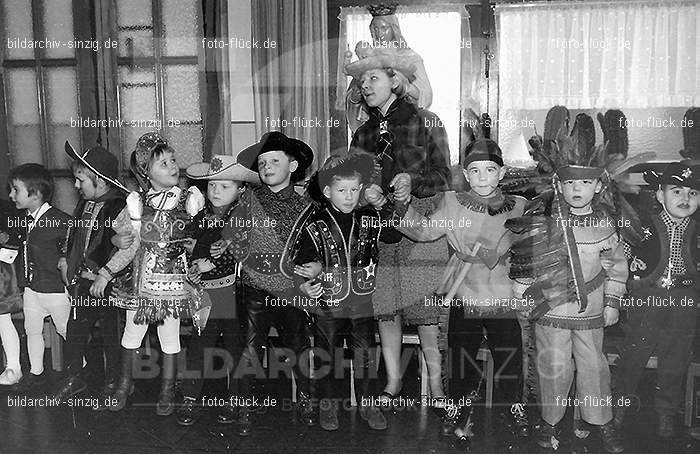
column 663, row 283
column 344, row 239
column 270, row 219
column 226, row 181
column 90, row 264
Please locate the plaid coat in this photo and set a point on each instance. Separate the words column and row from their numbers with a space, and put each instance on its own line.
column 419, row 144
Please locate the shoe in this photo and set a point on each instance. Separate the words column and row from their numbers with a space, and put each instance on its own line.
column 125, row 384
column 70, row 387
column 187, row 413
column 105, row 396
column 166, row 397
column 386, row 399
column 227, row 414
column 31, row 383
column 666, row 427
column 374, row 417
column 612, row 442
column 306, row 410
column 582, row 429
column 244, row 423
column 521, row 423
column 10, row 377
column 547, row 435
column 328, row 414
column 694, row 433
column 453, row 414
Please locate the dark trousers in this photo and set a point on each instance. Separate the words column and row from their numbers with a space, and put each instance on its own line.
column 665, row 330
column 291, row 325
column 505, row 342
column 202, row 347
column 86, row 311
column 330, row 355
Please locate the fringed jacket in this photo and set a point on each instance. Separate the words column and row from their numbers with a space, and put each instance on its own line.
column 467, row 220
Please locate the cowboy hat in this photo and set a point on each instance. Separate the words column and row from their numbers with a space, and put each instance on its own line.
column 222, row 167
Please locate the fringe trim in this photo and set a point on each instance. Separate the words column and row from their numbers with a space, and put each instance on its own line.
column 577, row 324
column 476, row 205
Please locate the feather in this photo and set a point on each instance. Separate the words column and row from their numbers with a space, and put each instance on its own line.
column 619, row 167
column 615, row 132
column 691, row 134
column 583, row 134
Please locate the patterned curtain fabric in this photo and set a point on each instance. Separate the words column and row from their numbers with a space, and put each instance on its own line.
column 599, row 54
column 290, row 71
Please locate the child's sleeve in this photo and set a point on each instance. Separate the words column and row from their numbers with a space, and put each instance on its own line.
column 122, row 257
column 614, row 262
column 425, row 228
column 307, row 251
column 237, row 230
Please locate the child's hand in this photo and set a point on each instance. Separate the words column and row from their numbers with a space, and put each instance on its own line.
column 63, row 267
column 610, row 315
column 375, row 196
column 4, row 237
column 97, row 289
column 311, row 289
column 402, row 187
column 308, row 270
column 204, row 265
column 218, row 247
column 194, row 274
column 188, row 244
column 124, row 240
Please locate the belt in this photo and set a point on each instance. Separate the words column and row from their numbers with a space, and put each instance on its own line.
column 264, row 263
column 220, row 282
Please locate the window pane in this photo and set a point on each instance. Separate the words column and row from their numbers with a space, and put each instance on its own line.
column 58, row 26
column 182, row 105
column 135, row 22
column 137, row 102
column 180, row 28
column 63, row 114
column 23, row 116
column 19, row 30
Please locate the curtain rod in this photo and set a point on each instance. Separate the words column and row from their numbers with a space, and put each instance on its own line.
column 540, row 3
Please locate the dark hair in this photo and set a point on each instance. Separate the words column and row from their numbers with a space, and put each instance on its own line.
column 346, row 174
column 157, row 152
column 36, row 178
column 77, row 166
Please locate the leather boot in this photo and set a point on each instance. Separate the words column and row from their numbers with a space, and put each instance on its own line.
column 612, row 442
column 125, row 385
column 166, row 398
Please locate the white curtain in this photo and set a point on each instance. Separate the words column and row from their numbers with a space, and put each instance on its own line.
column 599, row 55
column 435, row 33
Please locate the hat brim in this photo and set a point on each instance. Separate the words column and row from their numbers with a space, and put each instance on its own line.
column 361, row 163
column 236, row 172
column 75, row 156
column 572, row 172
column 357, row 68
column 301, row 152
column 657, row 179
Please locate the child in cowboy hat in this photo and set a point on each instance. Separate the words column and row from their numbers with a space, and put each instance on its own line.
column 345, row 240
column 663, row 283
column 90, row 264
column 271, row 216
column 226, row 181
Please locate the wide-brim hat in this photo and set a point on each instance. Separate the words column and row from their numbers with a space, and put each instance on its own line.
column 277, row 141
column 677, row 174
column 100, row 161
column 222, row 167
column 360, row 162
column 483, row 150
column 381, row 59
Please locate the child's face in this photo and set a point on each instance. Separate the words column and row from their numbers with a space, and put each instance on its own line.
column 344, row 193
column 579, row 193
column 483, row 177
column 275, row 169
column 222, row 193
column 163, row 173
column 86, row 188
column 377, row 87
column 21, row 197
column 679, row 201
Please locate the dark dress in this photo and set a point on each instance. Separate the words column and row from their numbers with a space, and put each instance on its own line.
column 10, row 223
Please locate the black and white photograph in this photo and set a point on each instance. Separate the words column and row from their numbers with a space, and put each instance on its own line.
column 350, row 226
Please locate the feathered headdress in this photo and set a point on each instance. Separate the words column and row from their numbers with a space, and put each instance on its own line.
column 691, row 134
column 545, row 250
